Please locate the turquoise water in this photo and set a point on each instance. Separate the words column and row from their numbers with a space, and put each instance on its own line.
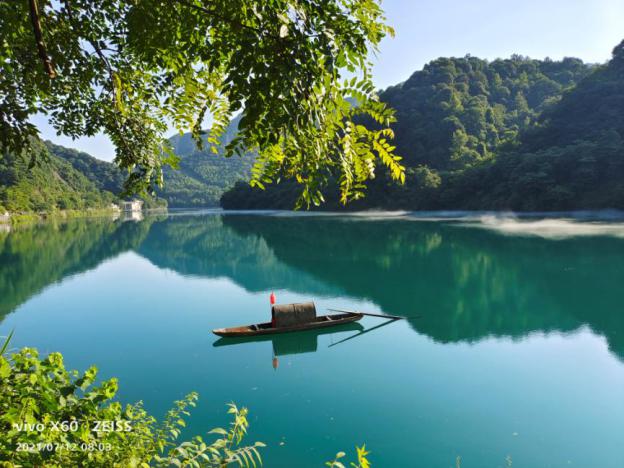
column 513, row 345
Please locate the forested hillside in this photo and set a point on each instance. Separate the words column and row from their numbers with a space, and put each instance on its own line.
column 574, row 158
column 456, row 112
column 51, row 184
column 104, row 175
column 203, row 175
column 509, row 134
column 201, row 179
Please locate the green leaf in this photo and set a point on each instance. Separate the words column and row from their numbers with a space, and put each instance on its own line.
column 7, row 340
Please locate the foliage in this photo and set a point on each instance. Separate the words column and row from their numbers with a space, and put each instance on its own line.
column 362, row 461
column 511, row 134
column 129, row 68
column 574, row 158
column 280, row 196
column 222, row 452
column 61, row 179
column 55, row 417
column 68, row 406
column 50, row 184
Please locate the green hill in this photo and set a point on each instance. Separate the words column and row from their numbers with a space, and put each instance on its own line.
column 51, row 184
column 456, row 112
column 105, row 175
column 200, row 181
column 573, row 158
column 203, row 176
column 509, row 134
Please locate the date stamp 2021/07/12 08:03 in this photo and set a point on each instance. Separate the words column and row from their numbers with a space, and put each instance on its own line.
column 70, row 426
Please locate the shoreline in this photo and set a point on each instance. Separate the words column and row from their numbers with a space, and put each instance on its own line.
column 29, row 218
column 26, row 218
column 588, row 215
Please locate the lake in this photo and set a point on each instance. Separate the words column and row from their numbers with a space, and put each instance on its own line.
column 513, row 345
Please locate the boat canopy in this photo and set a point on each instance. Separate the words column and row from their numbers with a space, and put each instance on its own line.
column 286, row 315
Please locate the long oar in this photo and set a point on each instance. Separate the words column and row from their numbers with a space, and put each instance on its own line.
column 363, row 332
column 395, row 317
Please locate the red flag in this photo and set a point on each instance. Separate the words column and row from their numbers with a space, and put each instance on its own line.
column 272, row 299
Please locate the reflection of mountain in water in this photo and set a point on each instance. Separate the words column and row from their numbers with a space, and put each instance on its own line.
column 466, row 284
column 32, row 258
column 204, row 247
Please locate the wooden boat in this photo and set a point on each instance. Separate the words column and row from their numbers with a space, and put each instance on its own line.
column 306, row 335
column 267, row 328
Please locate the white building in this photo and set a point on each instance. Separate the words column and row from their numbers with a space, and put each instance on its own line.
column 131, row 205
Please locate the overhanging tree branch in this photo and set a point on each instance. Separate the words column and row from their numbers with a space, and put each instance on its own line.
column 41, row 48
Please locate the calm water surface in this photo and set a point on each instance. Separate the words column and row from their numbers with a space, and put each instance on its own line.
column 513, row 345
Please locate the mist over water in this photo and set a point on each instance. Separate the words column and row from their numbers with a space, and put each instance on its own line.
column 549, row 228
column 557, row 225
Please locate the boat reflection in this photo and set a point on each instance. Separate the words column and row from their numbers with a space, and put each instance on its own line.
column 291, row 343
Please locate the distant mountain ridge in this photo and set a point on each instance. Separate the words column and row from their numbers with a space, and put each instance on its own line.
column 199, row 182
column 203, row 176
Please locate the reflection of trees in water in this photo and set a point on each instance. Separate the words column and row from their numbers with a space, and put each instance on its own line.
column 33, row 257
column 466, row 283
column 204, row 247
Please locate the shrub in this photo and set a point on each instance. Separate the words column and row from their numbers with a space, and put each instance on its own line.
column 50, row 416
column 53, row 417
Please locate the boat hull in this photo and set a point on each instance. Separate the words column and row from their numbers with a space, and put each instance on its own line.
column 322, row 321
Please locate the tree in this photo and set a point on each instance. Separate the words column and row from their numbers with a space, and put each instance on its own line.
column 131, row 68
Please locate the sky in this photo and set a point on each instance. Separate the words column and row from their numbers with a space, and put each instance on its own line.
column 490, row 29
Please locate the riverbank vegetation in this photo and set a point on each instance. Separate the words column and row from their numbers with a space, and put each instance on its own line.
column 45, row 185
column 55, row 417
column 52, row 416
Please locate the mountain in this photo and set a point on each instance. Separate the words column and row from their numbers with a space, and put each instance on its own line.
column 203, row 176
column 517, row 134
column 104, row 175
column 201, row 179
column 573, row 158
column 509, row 134
column 456, row 112
column 51, row 184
